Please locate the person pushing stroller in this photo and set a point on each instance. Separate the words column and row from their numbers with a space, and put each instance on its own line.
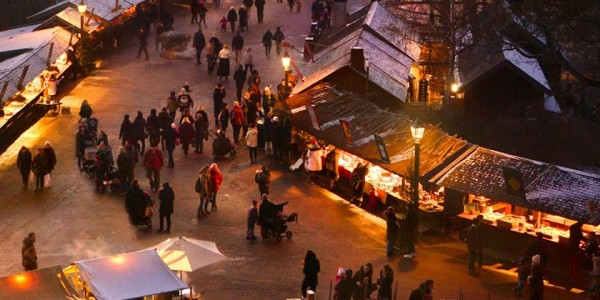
column 222, row 146
column 136, row 203
column 270, row 215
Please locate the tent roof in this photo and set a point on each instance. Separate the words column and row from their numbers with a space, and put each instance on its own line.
column 129, row 275
column 47, row 283
column 106, row 9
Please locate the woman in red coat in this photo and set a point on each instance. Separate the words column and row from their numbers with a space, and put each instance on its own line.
column 215, row 182
column 186, row 135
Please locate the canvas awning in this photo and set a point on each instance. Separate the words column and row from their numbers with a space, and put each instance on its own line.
column 129, row 275
column 47, row 283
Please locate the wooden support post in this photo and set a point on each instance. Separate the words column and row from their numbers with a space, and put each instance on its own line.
column 48, row 60
column 20, row 84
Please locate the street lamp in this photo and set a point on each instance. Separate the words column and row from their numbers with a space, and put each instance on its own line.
column 286, row 60
column 417, row 132
column 82, row 8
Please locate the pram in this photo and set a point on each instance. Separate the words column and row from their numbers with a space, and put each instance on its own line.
column 109, row 181
column 275, row 226
column 140, row 213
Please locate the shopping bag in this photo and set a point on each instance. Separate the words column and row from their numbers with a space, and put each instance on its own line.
column 47, row 181
column 148, row 213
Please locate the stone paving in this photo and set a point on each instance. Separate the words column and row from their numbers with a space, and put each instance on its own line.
column 73, row 222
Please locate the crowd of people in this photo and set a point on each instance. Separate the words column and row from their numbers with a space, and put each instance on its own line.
column 37, row 167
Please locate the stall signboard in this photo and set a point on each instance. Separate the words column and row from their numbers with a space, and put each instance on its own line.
column 312, row 113
column 381, row 147
column 514, row 183
column 345, row 124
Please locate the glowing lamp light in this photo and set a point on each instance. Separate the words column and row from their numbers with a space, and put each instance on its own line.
column 286, row 60
column 454, row 88
column 117, row 260
column 81, row 7
column 21, row 280
column 417, row 132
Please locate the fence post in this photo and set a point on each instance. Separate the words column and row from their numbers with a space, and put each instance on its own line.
column 330, row 288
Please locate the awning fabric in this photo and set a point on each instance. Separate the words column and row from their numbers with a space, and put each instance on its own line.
column 129, row 275
column 47, row 283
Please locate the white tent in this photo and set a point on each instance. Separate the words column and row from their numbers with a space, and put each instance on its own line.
column 129, row 275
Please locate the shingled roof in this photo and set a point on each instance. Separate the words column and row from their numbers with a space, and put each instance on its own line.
column 390, row 56
column 367, row 119
column 548, row 188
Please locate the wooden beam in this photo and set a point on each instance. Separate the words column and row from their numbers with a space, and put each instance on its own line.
column 3, row 91
column 48, row 62
column 20, row 84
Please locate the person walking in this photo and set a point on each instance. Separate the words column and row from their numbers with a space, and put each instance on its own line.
column 263, row 178
column 276, row 139
column 224, row 117
column 311, row 270
column 143, row 37
column 332, row 166
column 252, row 218
column 153, row 127
column 184, row 100
column 219, row 95
column 232, row 17
column 80, row 139
column 203, row 191
column 85, row 112
column 28, row 253
column 202, row 10
column 139, row 133
column 536, row 279
column 223, row 67
column 243, row 18
column 39, row 166
column 24, row 165
column 260, row 10
column 291, row 4
column 172, row 105
column 186, row 135
column 199, row 44
column 124, row 169
column 239, row 76
column 170, row 136
column 248, row 5
column 201, row 128
column 126, row 133
column 523, row 268
column 392, row 228
column 216, row 179
column 153, row 162
column 165, row 210
column 237, row 44
column 194, row 10
column 278, row 37
column 248, row 61
column 385, row 281
column 475, row 244
column 237, row 119
column 267, row 41
column 50, row 157
column 164, row 121
column 252, row 142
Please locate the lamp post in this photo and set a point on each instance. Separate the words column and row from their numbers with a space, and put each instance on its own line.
column 417, row 132
column 286, row 60
column 82, row 8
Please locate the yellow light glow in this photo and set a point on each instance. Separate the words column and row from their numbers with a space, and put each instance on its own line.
column 117, row 260
column 454, row 87
column 81, row 7
column 21, row 280
column 286, row 60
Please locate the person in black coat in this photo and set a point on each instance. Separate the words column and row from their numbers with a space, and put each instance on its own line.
column 165, row 210
column 224, row 117
column 311, row 270
column 126, row 131
column 385, row 281
column 276, row 138
column 170, row 136
column 164, row 122
column 218, row 96
column 199, row 44
column 232, row 17
column 85, row 112
column 153, row 128
column 125, row 169
column 237, row 45
column 135, row 202
column 391, row 229
column 267, row 41
column 278, row 36
column 139, row 133
column 260, row 8
column 243, row 16
column 240, row 77
column 80, row 139
column 263, row 178
column 24, row 165
column 201, row 128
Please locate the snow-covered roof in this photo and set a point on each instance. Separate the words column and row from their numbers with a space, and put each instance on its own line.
column 17, row 31
column 353, row 6
column 73, row 17
column 477, row 61
column 106, row 9
column 35, row 46
column 390, row 56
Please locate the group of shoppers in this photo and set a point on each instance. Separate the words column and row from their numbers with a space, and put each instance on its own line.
column 40, row 166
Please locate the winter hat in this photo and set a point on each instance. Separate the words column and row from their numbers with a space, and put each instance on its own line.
column 341, row 272
column 536, row 259
column 173, row 125
column 275, row 119
column 254, row 202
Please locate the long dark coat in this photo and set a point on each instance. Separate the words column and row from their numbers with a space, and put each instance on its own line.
column 24, row 161
column 166, row 197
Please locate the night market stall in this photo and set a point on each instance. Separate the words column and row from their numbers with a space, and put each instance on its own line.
column 353, row 125
column 521, row 198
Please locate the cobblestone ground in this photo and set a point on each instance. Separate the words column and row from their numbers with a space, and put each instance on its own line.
column 73, row 222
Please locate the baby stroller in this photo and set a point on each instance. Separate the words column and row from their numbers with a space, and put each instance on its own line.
column 273, row 222
column 140, row 211
column 222, row 147
column 110, row 181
